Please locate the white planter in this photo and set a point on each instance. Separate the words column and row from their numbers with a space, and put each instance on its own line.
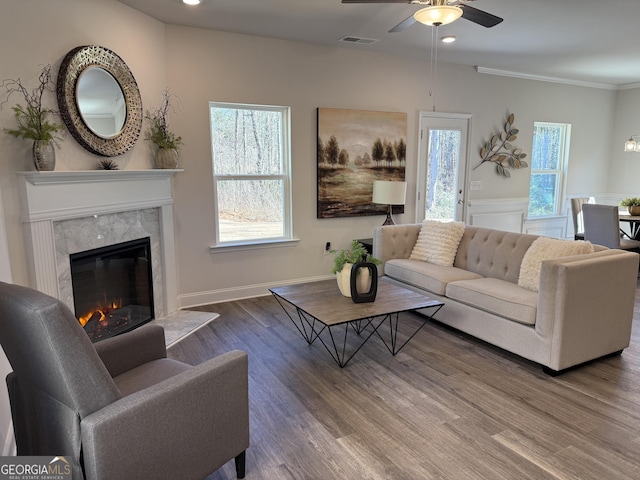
column 344, row 280
column 167, row 158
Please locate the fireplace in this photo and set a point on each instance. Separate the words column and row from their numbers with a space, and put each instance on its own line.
column 113, row 288
column 66, row 212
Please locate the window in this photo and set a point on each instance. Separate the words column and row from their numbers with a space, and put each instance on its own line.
column 549, row 158
column 251, row 173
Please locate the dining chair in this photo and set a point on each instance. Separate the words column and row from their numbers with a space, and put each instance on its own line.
column 576, row 211
column 602, row 227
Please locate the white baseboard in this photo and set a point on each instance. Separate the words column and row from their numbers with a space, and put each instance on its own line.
column 238, row 293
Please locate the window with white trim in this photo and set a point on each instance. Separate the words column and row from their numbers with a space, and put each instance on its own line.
column 250, row 147
column 549, row 160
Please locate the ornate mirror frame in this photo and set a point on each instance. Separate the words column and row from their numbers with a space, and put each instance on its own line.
column 74, row 64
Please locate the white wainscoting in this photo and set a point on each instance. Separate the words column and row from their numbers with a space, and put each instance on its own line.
column 506, row 214
column 548, row 227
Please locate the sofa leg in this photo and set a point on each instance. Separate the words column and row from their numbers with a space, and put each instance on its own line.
column 551, row 372
column 240, row 464
column 555, row 373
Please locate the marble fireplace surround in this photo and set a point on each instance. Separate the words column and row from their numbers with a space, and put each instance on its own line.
column 69, row 212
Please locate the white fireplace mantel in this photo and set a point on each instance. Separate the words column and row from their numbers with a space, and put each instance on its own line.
column 49, row 197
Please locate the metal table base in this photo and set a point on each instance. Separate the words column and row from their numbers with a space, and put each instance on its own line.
column 336, row 336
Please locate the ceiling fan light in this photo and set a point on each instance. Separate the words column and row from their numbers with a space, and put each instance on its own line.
column 191, row 2
column 438, row 15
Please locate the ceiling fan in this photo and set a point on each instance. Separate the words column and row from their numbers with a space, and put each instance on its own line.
column 446, row 11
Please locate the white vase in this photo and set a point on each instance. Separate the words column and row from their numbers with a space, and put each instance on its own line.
column 44, row 156
column 343, row 277
column 167, row 158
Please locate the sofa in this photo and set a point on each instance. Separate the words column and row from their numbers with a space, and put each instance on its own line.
column 580, row 309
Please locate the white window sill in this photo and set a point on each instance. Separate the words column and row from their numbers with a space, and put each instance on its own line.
column 253, row 245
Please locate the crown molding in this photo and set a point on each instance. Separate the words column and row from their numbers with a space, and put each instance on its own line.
column 542, row 78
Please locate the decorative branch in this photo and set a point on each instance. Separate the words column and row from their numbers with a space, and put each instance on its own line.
column 32, row 122
column 500, row 151
column 159, row 132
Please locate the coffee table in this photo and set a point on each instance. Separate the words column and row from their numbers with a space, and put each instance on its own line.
column 320, row 311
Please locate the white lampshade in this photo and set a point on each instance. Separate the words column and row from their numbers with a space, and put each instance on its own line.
column 438, row 15
column 389, row 193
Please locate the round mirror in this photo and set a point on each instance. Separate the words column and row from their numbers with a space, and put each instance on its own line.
column 99, row 100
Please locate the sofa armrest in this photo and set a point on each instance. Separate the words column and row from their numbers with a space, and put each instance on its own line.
column 184, row 427
column 129, row 350
column 585, row 305
column 394, row 241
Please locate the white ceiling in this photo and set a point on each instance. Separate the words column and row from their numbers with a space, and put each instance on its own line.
column 592, row 41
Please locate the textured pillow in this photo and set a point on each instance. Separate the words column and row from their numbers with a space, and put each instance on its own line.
column 544, row 248
column 438, row 242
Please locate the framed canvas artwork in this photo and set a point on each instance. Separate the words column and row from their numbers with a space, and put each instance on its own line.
column 356, row 147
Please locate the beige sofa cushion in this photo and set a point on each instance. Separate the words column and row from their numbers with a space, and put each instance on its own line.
column 545, row 248
column 496, row 296
column 438, row 242
column 427, row 276
column 493, row 253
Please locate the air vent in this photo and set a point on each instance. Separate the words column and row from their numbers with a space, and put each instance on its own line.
column 358, row 40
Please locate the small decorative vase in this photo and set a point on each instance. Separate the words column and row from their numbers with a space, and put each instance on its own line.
column 344, row 280
column 167, row 158
column 634, row 210
column 358, row 293
column 44, row 156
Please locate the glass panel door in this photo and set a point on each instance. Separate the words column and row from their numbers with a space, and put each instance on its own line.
column 442, row 166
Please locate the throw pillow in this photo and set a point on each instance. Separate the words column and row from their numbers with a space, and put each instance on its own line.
column 544, row 248
column 438, row 242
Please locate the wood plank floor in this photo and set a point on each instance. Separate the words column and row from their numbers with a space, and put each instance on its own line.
column 446, row 407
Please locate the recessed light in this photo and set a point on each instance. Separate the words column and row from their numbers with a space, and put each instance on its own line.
column 191, row 2
column 448, row 39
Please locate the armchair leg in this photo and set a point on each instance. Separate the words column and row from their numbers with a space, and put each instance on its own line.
column 240, row 464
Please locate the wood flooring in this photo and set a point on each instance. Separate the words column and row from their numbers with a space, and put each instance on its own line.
column 446, row 407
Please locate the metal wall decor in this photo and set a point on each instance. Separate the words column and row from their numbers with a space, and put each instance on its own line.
column 83, row 59
column 500, row 150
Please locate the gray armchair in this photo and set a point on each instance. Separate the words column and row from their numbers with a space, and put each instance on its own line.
column 118, row 409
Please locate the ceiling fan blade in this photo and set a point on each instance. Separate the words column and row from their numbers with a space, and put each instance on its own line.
column 404, row 24
column 478, row 16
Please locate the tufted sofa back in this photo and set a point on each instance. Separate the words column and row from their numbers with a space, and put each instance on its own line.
column 493, row 253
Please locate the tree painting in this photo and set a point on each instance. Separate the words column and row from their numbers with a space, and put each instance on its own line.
column 356, row 147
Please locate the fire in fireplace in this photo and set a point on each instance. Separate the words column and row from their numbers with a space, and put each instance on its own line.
column 113, row 288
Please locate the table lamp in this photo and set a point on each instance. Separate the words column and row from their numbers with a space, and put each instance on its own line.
column 389, row 193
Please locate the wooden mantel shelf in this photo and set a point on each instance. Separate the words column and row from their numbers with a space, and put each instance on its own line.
column 92, row 176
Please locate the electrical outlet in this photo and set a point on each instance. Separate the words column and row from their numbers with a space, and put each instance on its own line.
column 327, row 248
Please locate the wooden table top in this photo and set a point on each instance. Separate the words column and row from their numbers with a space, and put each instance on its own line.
column 323, row 301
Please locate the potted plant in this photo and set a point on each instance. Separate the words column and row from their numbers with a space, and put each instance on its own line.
column 167, row 143
column 632, row 204
column 32, row 120
column 343, row 260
